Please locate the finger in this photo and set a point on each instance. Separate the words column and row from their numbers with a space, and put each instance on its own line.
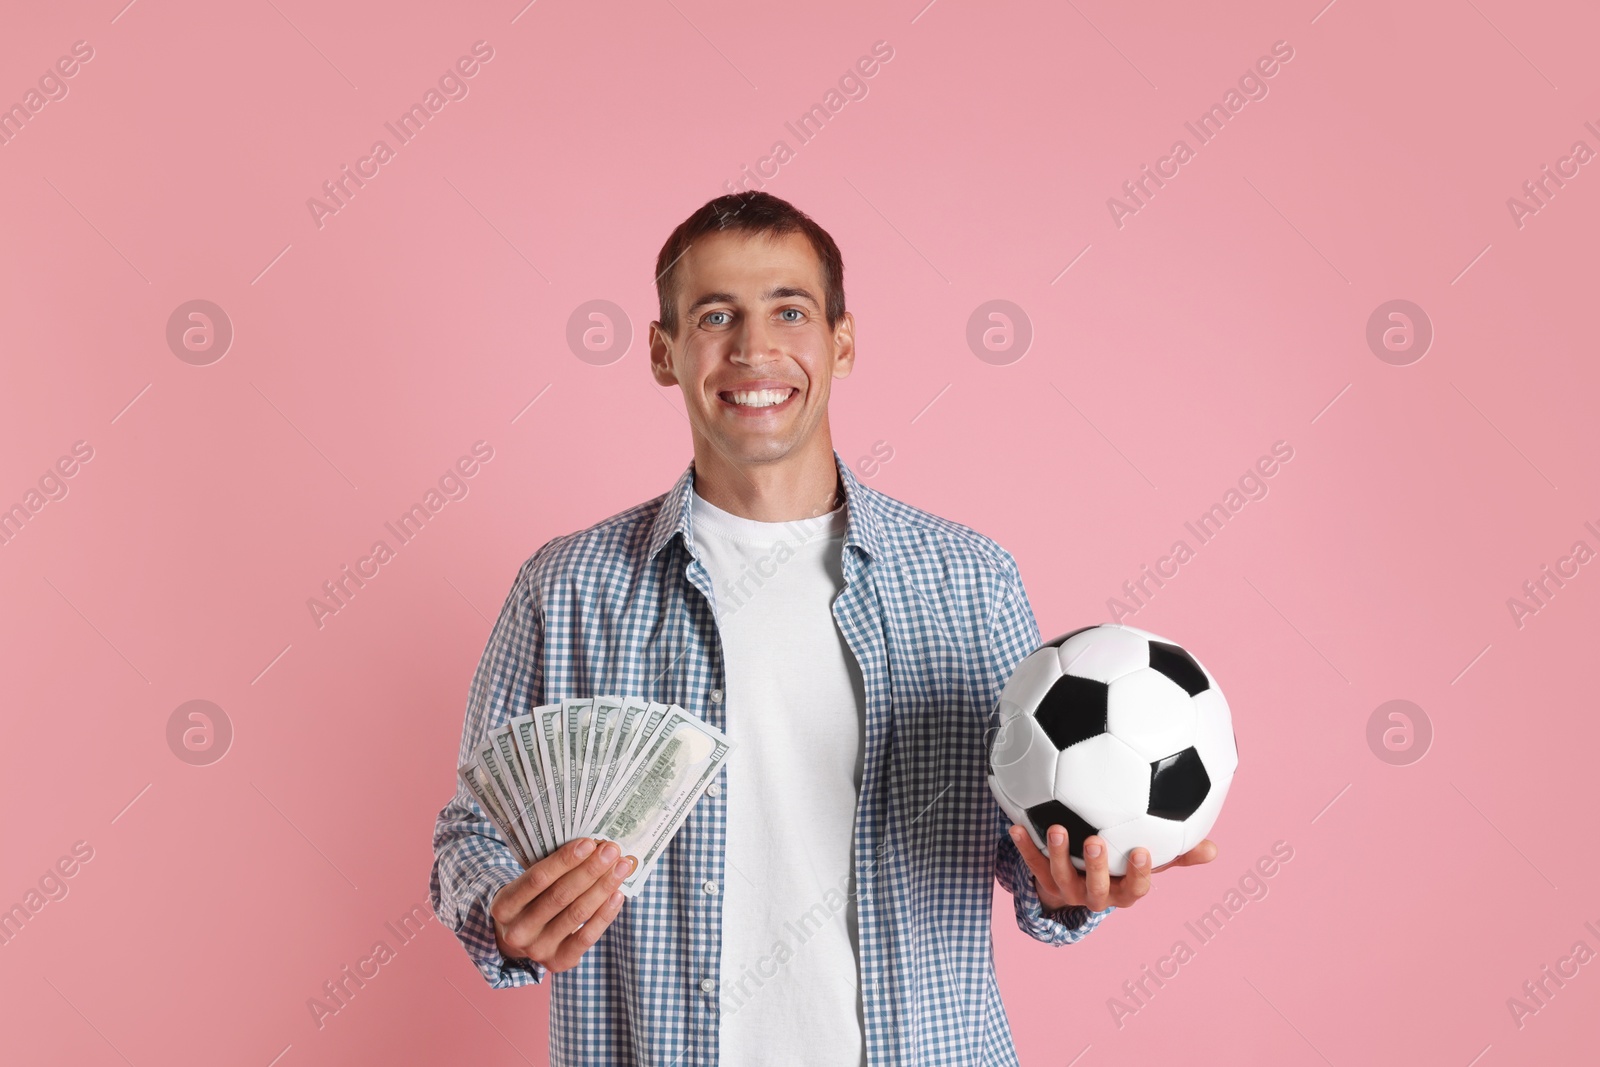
column 1037, row 861
column 570, row 886
column 1204, row 852
column 573, row 948
column 1097, row 879
column 545, row 923
column 592, row 899
column 1136, row 882
column 1068, row 881
column 536, row 879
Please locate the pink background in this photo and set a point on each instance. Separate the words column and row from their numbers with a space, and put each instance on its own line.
column 1227, row 314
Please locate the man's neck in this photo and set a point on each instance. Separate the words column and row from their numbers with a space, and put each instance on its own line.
column 796, row 487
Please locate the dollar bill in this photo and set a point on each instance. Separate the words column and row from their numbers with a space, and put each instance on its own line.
column 680, row 760
column 603, row 724
column 577, row 713
column 532, row 829
column 551, row 736
column 627, row 722
column 483, row 796
column 524, row 729
column 640, row 743
column 505, row 793
column 488, row 798
column 483, row 793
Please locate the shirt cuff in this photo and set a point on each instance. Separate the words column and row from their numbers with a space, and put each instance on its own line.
column 1077, row 919
column 1063, row 926
column 474, row 926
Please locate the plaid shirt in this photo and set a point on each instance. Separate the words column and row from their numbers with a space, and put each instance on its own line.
column 936, row 616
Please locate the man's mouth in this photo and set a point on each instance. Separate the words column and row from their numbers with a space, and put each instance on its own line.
column 757, row 399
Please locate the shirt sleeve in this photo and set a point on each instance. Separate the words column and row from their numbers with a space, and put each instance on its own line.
column 1014, row 633
column 471, row 861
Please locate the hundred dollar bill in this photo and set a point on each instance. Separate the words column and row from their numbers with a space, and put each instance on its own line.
column 627, row 752
column 550, row 733
column 505, row 792
column 668, row 778
column 524, row 729
column 506, row 744
column 626, row 725
column 483, row 793
column 488, row 798
column 497, row 785
column 577, row 713
column 640, row 742
column 603, row 725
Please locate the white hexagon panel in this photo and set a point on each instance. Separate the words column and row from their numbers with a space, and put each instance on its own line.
column 1104, row 653
column 1103, row 780
column 1163, row 838
column 1023, row 758
column 1148, row 711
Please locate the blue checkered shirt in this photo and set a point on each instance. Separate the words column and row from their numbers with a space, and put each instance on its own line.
column 936, row 616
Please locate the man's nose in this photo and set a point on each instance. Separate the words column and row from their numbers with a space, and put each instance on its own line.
column 755, row 341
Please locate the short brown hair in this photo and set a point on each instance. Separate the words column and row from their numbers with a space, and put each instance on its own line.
column 752, row 212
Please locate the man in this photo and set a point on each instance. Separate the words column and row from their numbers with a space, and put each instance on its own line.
column 829, row 898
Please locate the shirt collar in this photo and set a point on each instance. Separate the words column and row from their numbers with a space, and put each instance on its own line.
column 863, row 523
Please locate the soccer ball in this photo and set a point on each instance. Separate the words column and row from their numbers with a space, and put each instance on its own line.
column 1113, row 731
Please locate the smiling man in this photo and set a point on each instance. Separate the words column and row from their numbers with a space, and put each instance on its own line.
column 828, row 901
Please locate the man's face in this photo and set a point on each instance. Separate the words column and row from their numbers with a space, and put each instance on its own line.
column 753, row 353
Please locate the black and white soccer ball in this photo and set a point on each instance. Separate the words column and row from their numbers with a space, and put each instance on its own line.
column 1113, row 731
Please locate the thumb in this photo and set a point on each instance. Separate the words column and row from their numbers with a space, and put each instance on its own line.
column 1204, row 852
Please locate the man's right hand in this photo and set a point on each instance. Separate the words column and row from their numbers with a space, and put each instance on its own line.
column 555, row 911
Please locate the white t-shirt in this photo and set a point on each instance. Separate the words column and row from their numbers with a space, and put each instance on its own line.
column 796, row 708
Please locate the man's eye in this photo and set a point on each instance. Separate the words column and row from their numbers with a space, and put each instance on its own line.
column 796, row 311
column 713, row 315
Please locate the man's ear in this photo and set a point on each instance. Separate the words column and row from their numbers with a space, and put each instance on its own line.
column 661, row 356
column 844, row 340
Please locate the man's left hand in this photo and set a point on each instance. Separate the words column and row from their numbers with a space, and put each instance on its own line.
column 1060, row 884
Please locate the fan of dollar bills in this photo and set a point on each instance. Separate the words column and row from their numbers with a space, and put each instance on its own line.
column 624, row 769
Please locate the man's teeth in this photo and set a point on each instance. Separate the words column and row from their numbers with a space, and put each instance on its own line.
column 759, row 398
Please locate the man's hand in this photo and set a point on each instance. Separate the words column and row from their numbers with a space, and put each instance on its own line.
column 554, row 912
column 1061, row 884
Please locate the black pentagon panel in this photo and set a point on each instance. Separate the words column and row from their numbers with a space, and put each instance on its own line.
column 1178, row 785
column 1178, row 665
column 1057, row 643
column 1054, row 813
column 1073, row 710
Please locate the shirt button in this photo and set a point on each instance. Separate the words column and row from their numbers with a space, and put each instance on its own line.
column 710, row 888
column 714, row 790
column 707, row 986
column 716, row 696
